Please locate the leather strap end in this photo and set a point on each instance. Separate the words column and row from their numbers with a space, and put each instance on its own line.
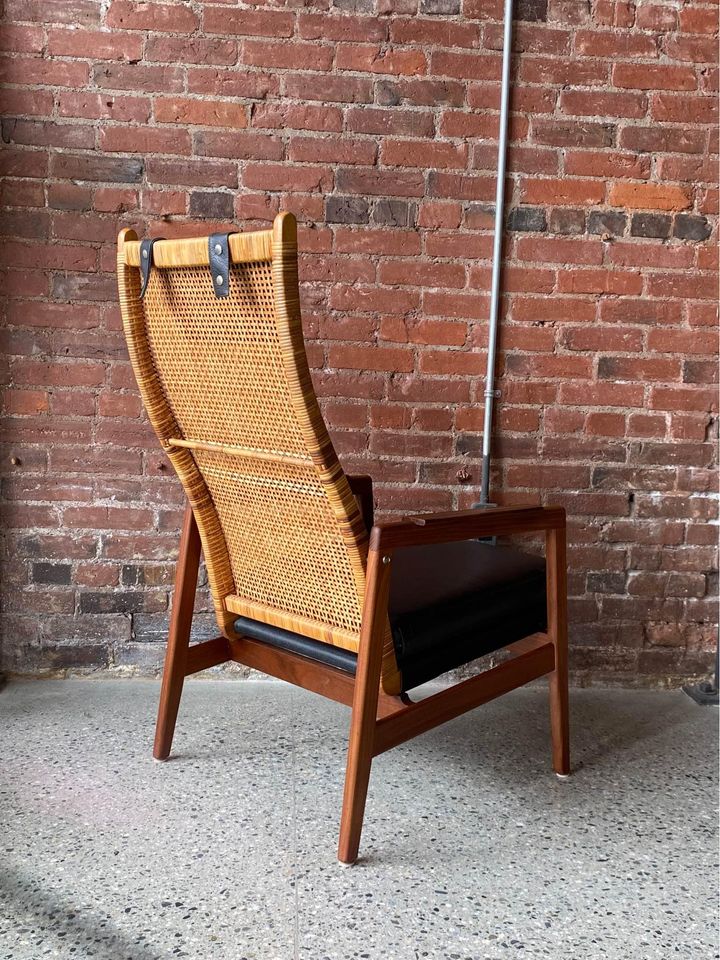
column 219, row 256
column 146, row 262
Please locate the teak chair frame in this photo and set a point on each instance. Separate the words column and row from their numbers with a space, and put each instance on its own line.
column 382, row 716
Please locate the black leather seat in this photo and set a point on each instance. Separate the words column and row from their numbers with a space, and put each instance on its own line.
column 449, row 604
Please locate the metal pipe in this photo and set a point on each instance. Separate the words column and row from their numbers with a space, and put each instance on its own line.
column 497, row 252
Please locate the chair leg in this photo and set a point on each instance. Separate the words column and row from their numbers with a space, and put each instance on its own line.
column 365, row 704
column 556, row 564
column 178, row 635
column 357, row 778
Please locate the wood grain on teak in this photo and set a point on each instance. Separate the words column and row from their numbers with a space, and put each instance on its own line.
column 345, row 600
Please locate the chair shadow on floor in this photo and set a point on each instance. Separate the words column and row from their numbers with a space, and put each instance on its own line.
column 605, row 724
column 57, row 922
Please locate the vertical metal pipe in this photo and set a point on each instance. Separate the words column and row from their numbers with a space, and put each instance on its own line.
column 497, row 252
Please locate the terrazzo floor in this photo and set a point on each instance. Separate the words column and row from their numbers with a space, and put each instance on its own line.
column 472, row 849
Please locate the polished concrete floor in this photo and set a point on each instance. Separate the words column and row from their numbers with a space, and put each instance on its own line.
column 472, row 848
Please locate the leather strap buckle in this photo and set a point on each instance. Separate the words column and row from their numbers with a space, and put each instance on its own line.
column 219, row 255
column 146, row 262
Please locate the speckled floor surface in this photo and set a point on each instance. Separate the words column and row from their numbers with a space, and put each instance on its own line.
column 472, row 848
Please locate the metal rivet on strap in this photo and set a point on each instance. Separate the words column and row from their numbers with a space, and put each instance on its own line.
column 218, row 248
column 218, row 280
column 145, row 254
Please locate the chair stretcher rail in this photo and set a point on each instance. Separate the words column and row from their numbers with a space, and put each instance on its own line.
column 248, row 453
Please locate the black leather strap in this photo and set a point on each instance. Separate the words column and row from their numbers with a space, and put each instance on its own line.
column 219, row 253
column 146, row 262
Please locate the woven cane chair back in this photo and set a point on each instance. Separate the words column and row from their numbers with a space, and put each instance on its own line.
column 226, row 385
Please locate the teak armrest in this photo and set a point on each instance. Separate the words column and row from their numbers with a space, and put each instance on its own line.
column 464, row 525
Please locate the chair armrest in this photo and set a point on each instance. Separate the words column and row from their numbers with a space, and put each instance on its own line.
column 361, row 486
column 464, row 525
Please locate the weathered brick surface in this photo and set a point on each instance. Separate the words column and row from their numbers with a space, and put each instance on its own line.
column 376, row 124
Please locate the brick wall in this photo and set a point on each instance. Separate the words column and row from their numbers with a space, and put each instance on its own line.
column 376, row 125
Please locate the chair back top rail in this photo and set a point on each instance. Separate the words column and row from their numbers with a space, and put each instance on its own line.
column 251, row 247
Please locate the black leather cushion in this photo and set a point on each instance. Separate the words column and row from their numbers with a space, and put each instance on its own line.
column 449, row 604
column 453, row 602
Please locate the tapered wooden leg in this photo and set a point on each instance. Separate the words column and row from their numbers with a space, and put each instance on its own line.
column 365, row 703
column 556, row 563
column 178, row 635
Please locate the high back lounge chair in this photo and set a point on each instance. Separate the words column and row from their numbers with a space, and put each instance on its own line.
column 305, row 586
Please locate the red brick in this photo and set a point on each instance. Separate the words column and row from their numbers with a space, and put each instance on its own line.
column 332, row 150
column 379, row 182
column 650, row 255
column 319, row 26
column 608, row 164
column 608, row 104
column 16, row 38
column 146, row 140
column 95, row 106
column 377, row 242
column 232, row 83
column 614, row 45
column 102, row 45
column 331, row 89
column 25, row 402
column 651, row 16
column 435, row 32
column 658, row 139
column 370, row 358
column 199, row 112
column 371, row 58
column 36, row 70
column 268, row 176
column 679, row 108
column 683, row 398
column 284, row 55
column 394, row 123
column 603, row 394
column 694, row 50
column 247, row 22
column 699, row 20
column 175, row 17
column 562, row 192
column 137, row 77
column 466, row 66
column 418, row 153
column 651, row 77
column 417, row 273
column 649, row 196
column 563, row 71
column 542, row 309
column 108, row 518
column 559, row 251
column 26, row 102
column 682, row 342
column 616, row 282
column 163, row 49
column 198, row 173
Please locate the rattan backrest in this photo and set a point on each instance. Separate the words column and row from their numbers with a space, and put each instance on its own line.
column 227, row 388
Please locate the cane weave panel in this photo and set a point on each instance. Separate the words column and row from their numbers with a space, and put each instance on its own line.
column 219, row 358
column 298, row 562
